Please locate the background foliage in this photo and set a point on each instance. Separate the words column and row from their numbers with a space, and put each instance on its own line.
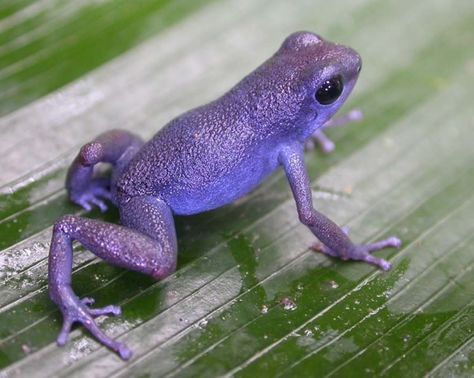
column 69, row 70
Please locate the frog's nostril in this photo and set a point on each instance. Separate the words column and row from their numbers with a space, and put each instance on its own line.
column 359, row 66
column 355, row 60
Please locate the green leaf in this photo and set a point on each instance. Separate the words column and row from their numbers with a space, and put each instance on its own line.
column 70, row 70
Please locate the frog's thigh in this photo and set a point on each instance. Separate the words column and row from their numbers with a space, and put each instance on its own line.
column 153, row 218
column 146, row 242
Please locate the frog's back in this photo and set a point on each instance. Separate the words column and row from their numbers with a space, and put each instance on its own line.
column 202, row 160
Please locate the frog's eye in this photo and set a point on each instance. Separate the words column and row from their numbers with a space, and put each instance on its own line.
column 329, row 91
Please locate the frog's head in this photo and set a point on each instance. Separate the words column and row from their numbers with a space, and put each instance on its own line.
column 323, row 76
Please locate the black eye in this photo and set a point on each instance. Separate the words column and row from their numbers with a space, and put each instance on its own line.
column 329, row 91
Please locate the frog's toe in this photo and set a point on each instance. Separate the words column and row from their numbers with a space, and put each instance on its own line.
column 88, row 301
column 83, row 203
column 363, row 252
column 381, row 263
column 124, row 352
column 346, row 229
column 95, row 312
column 355, row 115
column 100, row 204
column 114, row 345
column 107, row 310
column 64, row 333
column 326, row 144
column 391, row 242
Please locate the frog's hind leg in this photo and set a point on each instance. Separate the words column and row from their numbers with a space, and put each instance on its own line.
column 320, row 138
column 115, row 147
column 145, row 243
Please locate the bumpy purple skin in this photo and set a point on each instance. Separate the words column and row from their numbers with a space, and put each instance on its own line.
column 204, row 159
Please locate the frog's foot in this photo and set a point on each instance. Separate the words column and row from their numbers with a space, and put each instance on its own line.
column 96, row 192
column 320, row 138
column 363, row 252
column 77, row 310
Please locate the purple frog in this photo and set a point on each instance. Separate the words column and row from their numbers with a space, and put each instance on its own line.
column 204, row 159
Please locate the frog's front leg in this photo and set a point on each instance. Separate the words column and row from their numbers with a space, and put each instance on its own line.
column 335, row 240
column 319, row 137
column 114, row 147
column 145, row 243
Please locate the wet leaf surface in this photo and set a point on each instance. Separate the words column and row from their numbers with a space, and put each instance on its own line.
column 249, row 298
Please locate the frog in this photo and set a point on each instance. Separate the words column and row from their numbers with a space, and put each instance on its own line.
column 201, row 160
